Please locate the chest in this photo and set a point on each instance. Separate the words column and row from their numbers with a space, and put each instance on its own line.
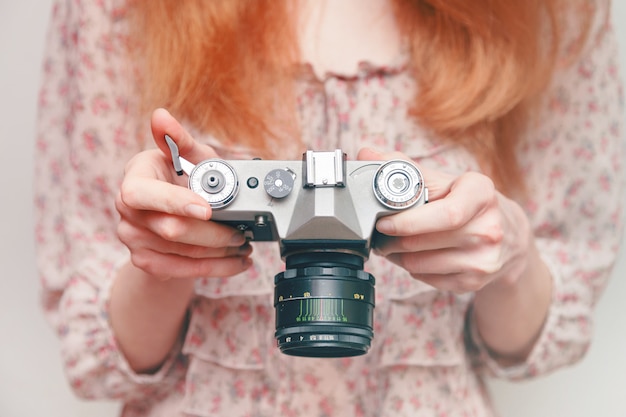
column 336, row 36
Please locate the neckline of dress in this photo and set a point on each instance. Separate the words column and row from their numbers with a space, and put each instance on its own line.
column 364, row 70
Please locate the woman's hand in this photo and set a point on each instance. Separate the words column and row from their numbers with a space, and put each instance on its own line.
column 467, row 236
column 471, row 238
column 165, row 225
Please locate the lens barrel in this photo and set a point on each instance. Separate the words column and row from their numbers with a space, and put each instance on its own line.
column 324, row 305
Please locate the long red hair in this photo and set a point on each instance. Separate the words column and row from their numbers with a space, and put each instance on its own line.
column 223, row 66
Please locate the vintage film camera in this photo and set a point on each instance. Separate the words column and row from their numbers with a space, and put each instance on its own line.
column 322, row 212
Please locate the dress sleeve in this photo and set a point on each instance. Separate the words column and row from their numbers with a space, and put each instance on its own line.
column 85, row 136
column 573, row 161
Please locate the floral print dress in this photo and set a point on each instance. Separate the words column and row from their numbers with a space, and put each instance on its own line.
column 424, row 360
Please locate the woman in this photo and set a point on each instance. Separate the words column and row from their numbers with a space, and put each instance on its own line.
column 511, row 111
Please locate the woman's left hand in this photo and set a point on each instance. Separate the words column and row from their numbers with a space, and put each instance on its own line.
column 468, row 236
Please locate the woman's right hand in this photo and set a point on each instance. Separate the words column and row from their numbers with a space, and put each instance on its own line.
column 165, row 225
column 171, row 239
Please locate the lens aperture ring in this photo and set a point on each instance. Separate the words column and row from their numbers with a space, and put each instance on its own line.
column 323, row 282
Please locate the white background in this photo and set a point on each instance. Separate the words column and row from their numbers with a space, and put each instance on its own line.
column 31, row 379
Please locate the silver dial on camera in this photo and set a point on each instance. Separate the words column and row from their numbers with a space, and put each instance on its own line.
column 398, row 184
column 278, row 183
column 216, row 181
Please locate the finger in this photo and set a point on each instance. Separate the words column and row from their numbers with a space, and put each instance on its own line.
column 385, row 245
column 485, row 229
column 456, row 283
column 174, row 266
column 140, row 190
column 194, row 232
column 162, row 123
column 469, row 195
column 188, row 228
column 137, row 238
column 369, row 154
column 472, row 263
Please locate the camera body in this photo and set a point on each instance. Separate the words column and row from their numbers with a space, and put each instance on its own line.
column 322, row 211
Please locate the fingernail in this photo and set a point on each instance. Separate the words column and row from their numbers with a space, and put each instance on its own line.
column 237, row 239
column 246, row 262
column 245, row 249
column 385, row 226
column 196, row 211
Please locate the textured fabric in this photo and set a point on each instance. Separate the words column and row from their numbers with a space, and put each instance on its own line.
column 423, row 361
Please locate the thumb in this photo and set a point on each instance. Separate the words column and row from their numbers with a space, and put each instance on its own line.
column 369, row 154
column 163, row 123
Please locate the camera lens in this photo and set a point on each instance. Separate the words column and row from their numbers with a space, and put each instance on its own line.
column 324, row 305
